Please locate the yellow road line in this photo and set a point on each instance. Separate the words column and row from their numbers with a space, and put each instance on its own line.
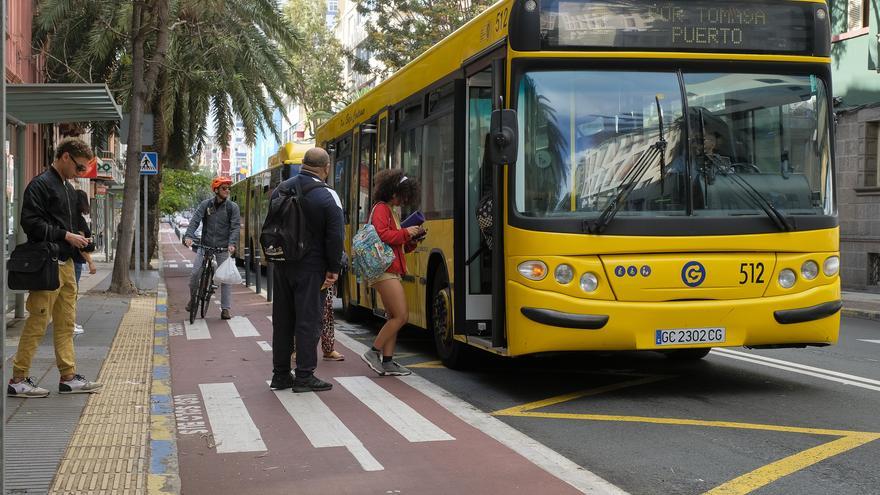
column 427, row 364
column 743, row 484
column 771, row 472
column 523, row 409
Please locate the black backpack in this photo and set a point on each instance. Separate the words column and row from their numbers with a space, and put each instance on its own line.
column 285, row 236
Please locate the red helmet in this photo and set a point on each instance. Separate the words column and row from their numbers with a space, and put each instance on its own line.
column 219, row 181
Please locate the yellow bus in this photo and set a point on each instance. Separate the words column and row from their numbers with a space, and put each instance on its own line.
column 657, row 176
column 252, row 194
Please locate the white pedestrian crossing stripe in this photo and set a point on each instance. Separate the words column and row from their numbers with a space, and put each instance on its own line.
column 242, row 327
column 189, row 265
column 323, row 428
column 400, row 416
column 264, row 345
column 197, row 331
column 870, row 340
column 231, row 424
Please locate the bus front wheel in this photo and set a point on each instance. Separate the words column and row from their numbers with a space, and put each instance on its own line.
column 452, row 353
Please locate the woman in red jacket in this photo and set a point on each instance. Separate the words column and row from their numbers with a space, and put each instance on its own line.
column 392, row 188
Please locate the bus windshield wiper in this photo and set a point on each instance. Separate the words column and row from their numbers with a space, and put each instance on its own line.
column 778, row 217
column 632, row 178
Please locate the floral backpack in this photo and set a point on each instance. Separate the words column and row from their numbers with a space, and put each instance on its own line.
column 370, row 256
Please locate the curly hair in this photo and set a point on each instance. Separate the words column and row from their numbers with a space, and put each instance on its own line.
column 393, row 182
column 75, row 146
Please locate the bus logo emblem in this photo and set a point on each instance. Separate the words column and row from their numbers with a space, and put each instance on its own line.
column 693, row 273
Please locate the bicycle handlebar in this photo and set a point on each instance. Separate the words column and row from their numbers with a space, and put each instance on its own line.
column 210, row 248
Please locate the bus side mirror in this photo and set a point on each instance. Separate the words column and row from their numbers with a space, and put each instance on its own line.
column 503, row 139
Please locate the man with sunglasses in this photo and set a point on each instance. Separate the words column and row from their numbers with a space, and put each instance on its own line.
column 49, row 213
column 220, row 219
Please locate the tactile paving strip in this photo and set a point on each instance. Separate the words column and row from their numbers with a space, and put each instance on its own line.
column 108, row 452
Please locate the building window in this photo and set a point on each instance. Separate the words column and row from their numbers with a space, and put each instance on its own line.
column 856, row 14
column 872, row 155
column 874, row 269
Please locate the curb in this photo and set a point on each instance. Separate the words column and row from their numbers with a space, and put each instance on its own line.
column 163, row 477
column 864, row 314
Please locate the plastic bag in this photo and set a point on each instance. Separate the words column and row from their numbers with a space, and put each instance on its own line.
column 227, row 273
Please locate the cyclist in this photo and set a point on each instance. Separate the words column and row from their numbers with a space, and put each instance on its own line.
column 220, row 219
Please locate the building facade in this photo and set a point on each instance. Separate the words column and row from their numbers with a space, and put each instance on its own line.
column 856, row 86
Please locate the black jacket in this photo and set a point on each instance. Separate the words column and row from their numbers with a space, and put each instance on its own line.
column 48, row 211
column 323, row 212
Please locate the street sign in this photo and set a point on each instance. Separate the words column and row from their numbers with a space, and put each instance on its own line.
column 149, row 163
column 105, row 169
column 100, row 190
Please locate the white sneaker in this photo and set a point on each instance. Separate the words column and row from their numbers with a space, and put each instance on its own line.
column 25, row 388
column 78, row 329
column 78, row 385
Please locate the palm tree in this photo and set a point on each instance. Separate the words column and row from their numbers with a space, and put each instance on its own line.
column 222, row 60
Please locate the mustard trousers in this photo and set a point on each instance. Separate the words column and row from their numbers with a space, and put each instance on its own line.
column 60, row 304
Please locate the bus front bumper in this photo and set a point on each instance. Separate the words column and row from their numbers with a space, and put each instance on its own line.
column 542, row 321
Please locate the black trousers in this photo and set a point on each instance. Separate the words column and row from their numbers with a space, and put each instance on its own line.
column 296, row 312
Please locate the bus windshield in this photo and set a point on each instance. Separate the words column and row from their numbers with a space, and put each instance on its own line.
column 735, row 144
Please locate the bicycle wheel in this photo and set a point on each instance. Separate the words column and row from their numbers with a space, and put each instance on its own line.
column 205, row 287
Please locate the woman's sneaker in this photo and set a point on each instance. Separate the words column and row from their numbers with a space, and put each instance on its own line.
column 25, row 388
column 78, row 385
column 373, row 360
column 392, row 368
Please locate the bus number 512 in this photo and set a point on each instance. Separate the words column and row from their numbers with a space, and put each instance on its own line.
column 751, row 273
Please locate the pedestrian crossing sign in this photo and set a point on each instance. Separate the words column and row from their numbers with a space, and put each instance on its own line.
column 149, row 163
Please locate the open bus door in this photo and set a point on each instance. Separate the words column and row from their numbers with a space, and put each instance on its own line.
column 479, row 292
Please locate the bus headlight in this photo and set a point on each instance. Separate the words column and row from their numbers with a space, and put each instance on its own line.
column 564, row 273
column 787, row 278
column 831, row 266
column 533, row 270
column 810, row 270
column 589, row 282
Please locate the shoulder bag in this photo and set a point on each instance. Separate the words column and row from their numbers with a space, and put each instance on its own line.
column 34, row 266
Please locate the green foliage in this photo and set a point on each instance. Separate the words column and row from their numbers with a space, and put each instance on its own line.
column 399, row 30
column 182, row 189
column 226, row 60
column 318, row 62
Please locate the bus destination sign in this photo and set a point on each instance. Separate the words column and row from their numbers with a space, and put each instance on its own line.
column 737, row 26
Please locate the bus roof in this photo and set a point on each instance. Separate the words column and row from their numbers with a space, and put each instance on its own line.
column 290, row 154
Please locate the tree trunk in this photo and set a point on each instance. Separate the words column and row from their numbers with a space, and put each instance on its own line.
column 143, row 82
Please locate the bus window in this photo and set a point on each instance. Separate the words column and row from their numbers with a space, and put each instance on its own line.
column 438, row 168
column 581, row 132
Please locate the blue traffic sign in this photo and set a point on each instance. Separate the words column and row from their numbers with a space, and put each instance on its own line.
column 149, row 163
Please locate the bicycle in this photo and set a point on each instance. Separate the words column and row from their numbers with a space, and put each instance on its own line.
column 206, row 282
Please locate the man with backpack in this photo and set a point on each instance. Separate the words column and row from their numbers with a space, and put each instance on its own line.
column 220, row 219
column 304, row 233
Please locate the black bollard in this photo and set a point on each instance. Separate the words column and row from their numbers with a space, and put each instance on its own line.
column 270, row 281
column 247, row 267
column 258, row 271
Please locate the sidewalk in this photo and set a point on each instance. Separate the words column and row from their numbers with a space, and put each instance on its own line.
column 864, row 305
column 86, row 443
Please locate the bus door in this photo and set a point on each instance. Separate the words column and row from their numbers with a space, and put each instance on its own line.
column 366, row 163
column 477, row 270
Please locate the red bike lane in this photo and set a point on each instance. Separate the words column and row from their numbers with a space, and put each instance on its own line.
column 369, row 434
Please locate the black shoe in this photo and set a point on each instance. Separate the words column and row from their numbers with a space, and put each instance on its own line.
column 189, row 306
column 224, row 314
column 310, row 384
column 281, row 382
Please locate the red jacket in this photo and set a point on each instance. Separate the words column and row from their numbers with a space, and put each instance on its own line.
column 396, row 237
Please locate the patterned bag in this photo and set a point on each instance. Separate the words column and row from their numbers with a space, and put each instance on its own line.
column 370, row 256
